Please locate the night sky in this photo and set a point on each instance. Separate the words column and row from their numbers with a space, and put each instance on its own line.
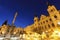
column 26, row 10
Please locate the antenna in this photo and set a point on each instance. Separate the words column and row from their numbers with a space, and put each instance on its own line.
column 48, row 3
column 35, row 14
column 14, row 18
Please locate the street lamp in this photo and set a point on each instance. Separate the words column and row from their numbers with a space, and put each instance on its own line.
column 59, row 23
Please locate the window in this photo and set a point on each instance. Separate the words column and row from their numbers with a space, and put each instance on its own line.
column 51, row 10
column 30, row 33
column 39, row 24
column 59, row 11
column 42, row 27
column 0, row 28
column 35, row 20
column 46, row 20
column 48, row 25
column 55, row 16
column 50, row 19
column 43, row 21
column 45, row 27
column 53, row 25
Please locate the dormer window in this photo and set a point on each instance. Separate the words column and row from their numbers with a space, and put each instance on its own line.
column 51, row 10
column 35, row 20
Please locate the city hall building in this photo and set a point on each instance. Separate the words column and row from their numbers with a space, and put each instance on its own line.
column 46, row 23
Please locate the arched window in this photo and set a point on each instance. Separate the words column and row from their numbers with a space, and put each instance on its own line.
column 45, row 27
column 53, row 25
column 48, row 25
column 46, row 20
column 51, row 10
column 55, row 16
column 43, row 21
column 50, row 19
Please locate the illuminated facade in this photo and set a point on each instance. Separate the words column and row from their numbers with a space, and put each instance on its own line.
column 42, row 24
column 51, row 22
column 30, row 28
column 46, row 26
column 46, row 23
column 4, row 29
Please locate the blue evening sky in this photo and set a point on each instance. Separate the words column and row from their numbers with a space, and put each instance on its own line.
column 26, row 10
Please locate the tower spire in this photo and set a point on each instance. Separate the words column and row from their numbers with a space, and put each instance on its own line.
column 14, row 18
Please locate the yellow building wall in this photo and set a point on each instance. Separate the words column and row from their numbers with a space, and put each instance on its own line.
column 29, row 28
column 49, row 23
column 36, row 21
column 46, row 23
column 54, row 14
column 4, row 29
column 17, row 30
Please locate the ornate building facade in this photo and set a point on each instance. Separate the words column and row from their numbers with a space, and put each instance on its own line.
column 46, row 23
